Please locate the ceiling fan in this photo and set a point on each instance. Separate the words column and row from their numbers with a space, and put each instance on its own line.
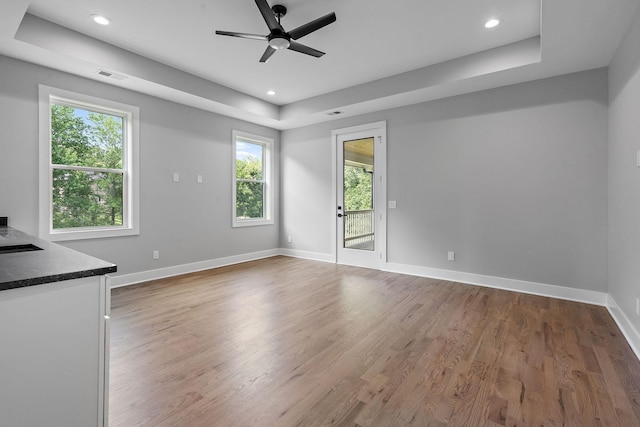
column 278, row 38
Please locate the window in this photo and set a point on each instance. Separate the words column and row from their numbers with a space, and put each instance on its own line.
column 252, row 187
column 88, row 161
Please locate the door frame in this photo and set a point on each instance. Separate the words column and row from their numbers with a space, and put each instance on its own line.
column 380, row 187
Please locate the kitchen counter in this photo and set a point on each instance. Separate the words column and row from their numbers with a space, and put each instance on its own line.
column 54, row 351
column 53, row 263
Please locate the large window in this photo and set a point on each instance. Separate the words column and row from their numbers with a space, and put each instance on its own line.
column 88, row 183
column 252, row 186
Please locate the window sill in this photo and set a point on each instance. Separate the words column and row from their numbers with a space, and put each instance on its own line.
column 251, row 222
column 93, row 233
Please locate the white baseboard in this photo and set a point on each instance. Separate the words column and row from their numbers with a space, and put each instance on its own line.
column 542, row 289
column 161, row 273
column 314, row 256
column 573, row 294
column 628, row 329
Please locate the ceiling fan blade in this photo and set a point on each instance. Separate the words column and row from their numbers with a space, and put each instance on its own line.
column 267, row 54
column 305, row 49
column 242, row 35
column 312, row 26
column 269, row 16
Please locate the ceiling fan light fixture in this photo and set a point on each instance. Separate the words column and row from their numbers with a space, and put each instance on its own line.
column 279, row 43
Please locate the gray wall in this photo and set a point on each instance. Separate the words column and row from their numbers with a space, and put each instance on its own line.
column 624, row 175
column 514, row 180
column 185, row 221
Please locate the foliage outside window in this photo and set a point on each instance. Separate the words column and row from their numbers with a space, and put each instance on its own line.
column 358, row 188
column 89, row 158
column 252, row 192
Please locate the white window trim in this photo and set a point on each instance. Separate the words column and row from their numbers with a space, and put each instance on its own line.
column 131, row 218
column 267, row 163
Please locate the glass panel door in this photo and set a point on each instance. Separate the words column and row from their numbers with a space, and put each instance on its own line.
column 358, row 192
column 360, row 167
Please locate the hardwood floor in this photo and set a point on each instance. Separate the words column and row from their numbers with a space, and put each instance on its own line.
column 288, row 342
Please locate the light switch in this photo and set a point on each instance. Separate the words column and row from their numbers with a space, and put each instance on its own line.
column 638, row 158
column 199, row 179
column 176, row 177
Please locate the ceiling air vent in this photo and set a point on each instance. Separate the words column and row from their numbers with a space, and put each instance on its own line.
column 111, row 75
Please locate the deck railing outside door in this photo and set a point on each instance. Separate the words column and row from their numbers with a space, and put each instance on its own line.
column 359, row 229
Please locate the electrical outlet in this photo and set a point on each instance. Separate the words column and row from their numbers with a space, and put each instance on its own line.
column 156, row 254
column 451, row 256
column 289, row 239
column 638, row 306
column 176, row 177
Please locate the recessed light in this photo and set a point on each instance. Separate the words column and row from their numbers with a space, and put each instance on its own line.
column 271, row 92
column 492, row 23
column 102, row 20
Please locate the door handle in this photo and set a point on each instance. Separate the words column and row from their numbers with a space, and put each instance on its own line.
column 340, row 215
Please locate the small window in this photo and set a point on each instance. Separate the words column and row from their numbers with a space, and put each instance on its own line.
column 89, row 184
column 252, row 188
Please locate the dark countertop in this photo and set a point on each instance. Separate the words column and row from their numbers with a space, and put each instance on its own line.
column 53, row 263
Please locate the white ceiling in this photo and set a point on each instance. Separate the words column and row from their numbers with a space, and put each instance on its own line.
column 367, row 42
column 379, row 54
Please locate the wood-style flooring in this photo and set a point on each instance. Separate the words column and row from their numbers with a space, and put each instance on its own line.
column 289, row 342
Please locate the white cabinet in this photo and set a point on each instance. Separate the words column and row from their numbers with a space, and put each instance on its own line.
column 54, row 354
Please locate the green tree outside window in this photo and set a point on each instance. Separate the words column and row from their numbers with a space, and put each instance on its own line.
column 249, row 181
column 87, row 159
column 358, row 189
